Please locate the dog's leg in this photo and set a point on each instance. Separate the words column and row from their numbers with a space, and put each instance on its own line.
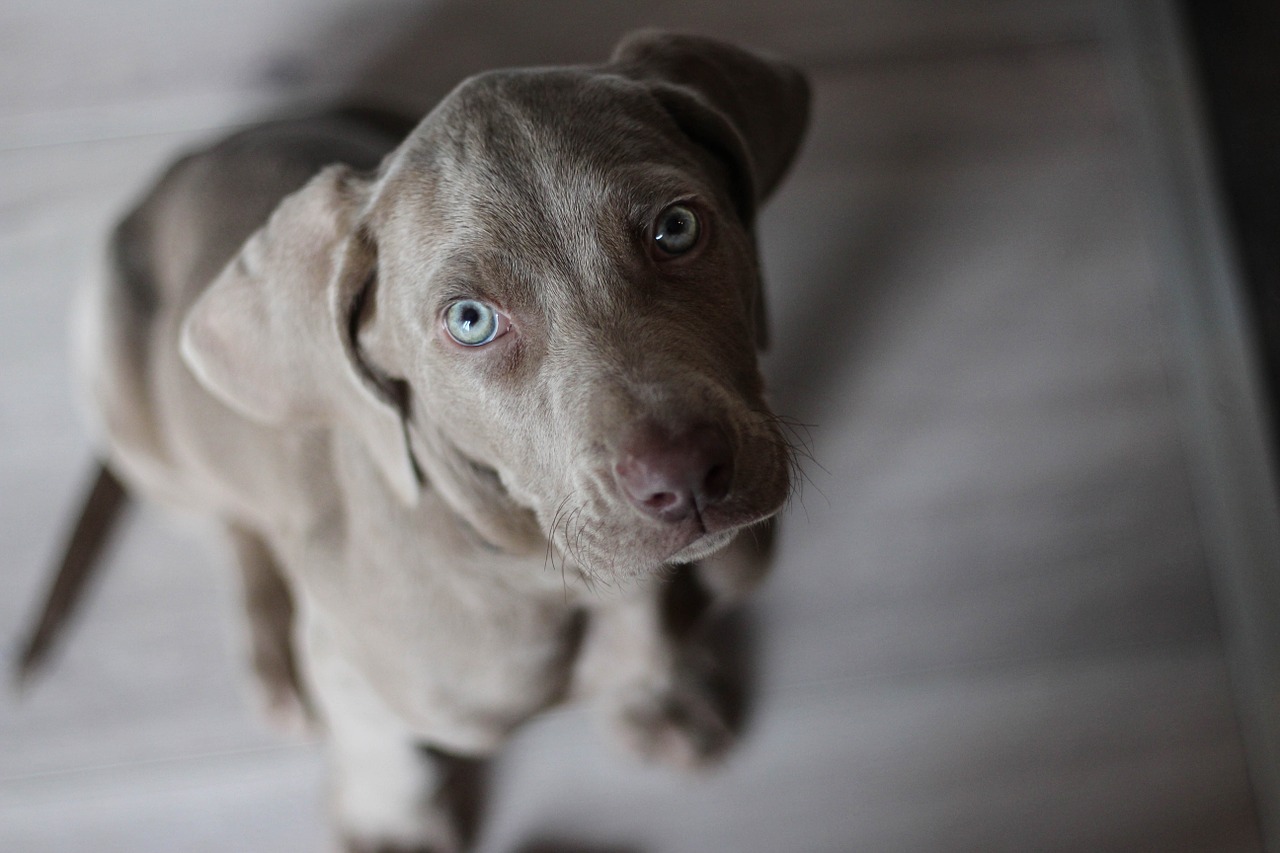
column 269, row 609
column 651, row 686
column 389, row 795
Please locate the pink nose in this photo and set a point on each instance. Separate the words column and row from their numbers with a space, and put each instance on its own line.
column 675, row 475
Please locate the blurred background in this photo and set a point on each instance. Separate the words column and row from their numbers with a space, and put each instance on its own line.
column 1025, row 601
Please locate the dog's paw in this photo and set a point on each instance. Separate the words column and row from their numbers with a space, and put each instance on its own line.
column 371, row 818
column 681, row 728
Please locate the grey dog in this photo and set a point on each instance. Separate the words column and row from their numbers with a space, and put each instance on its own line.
column 469, row 402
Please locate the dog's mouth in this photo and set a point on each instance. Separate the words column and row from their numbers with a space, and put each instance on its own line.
column 605, row 539
column 634, row 511
column 701, row 546
column 608, row 540
column 622, row 556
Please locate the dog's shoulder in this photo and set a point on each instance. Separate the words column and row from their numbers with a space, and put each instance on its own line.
column 196, row 215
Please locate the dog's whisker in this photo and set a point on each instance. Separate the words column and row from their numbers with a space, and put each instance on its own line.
column 801, row 434
column 572, row 527
column 549, row 556
column 550, row 553
column 794, row 439
column 567, row 526
column 551, row 536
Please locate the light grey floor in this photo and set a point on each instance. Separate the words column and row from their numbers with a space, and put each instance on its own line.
column 991, row 626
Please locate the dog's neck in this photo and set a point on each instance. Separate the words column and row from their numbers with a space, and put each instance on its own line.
column 473, row 491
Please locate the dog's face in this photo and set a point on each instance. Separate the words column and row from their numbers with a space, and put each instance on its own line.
column 549, row 302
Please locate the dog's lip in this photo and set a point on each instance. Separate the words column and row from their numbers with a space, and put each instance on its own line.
column 713, row 523
column 700, row 546
column 662, row 542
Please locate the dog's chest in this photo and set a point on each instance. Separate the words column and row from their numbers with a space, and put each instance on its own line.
column 461, row 643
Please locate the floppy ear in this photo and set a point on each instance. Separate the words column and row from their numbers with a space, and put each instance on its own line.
column 274, row 335
column 749, row 111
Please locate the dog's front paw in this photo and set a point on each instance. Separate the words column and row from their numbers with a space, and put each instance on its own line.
column 682, row 728
column 377, row 821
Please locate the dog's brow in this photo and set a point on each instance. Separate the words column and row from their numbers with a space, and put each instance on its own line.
column 456, row 288
column 474, row 275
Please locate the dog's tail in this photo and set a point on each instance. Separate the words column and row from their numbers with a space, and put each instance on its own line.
column 98, row 515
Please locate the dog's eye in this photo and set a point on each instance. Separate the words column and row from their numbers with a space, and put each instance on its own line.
column 676, row 230
column 471, row 323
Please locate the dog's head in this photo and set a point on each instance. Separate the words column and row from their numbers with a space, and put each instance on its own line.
column 546, row 305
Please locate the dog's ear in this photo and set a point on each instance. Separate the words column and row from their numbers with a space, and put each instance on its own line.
column 749, row 111
column 274, row 334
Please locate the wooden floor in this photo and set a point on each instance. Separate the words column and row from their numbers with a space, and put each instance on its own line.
column 991, row 626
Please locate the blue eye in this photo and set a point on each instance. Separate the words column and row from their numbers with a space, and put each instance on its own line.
column 471, row 323
column 676, row 230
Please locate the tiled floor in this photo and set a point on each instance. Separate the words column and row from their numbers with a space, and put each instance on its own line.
column 990, row 627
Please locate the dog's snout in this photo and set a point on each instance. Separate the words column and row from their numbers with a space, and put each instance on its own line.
column 675, row 475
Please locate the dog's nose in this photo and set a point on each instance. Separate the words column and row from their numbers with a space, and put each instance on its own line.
column 675, row 475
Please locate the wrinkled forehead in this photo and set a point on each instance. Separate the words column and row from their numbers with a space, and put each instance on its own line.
column 539, row 133
column 545, row 168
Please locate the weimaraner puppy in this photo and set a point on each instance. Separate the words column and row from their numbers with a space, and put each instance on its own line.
column 471, row 403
